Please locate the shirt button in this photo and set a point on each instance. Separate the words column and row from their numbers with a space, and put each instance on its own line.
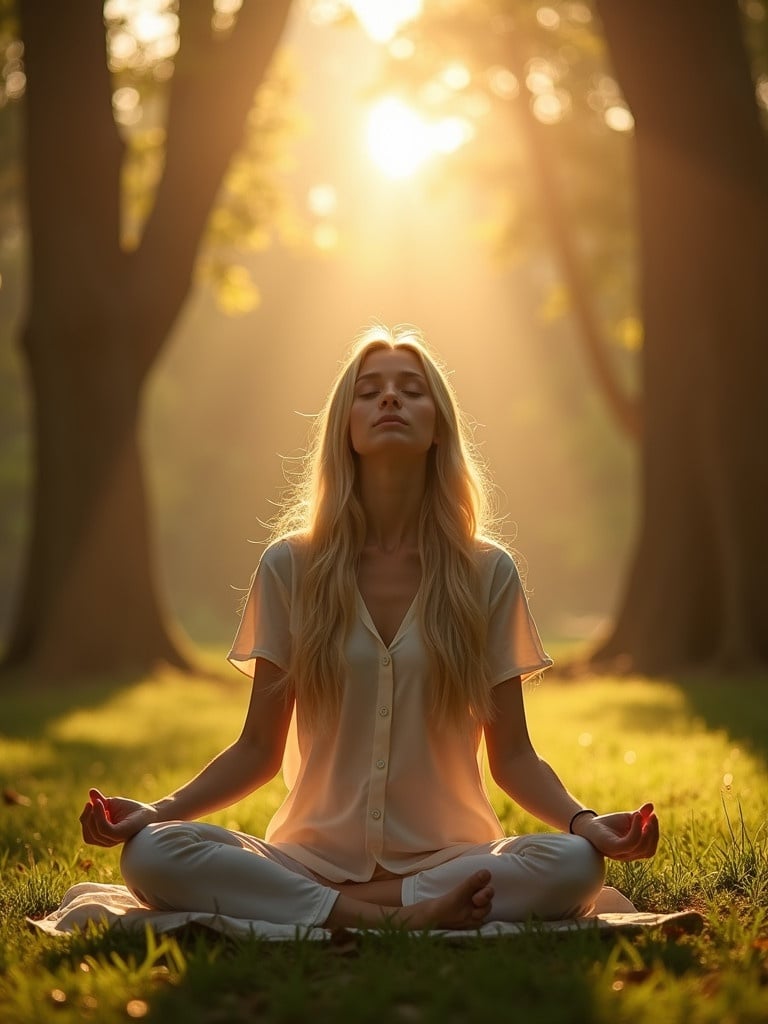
column 383, row 712
column 376, row 814
column 386, row 659
column 380, row 763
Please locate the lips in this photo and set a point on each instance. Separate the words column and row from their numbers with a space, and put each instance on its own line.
column 389, row 419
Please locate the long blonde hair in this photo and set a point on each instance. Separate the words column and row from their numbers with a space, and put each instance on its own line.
column 325, row 516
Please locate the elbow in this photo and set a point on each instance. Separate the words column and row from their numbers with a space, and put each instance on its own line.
column 265, row 760
column 507, row 772
column 500, row 773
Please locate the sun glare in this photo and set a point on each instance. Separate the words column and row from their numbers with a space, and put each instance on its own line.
column 401, row 141
column 382, row 19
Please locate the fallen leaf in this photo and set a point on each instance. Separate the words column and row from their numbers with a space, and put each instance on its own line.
column 14, row 799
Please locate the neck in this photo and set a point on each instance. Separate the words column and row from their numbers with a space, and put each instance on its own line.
column 392, row 495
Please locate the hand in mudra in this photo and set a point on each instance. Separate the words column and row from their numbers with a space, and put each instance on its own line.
column 109, row 821
column 626, row 835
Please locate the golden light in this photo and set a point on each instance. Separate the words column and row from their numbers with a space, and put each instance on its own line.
column 126, row 105
column 449, row 134
column 402, row 48
column 548, row 17
column 579, row 13
column 547, row 108
column 619, row 119
column 456, row 76
column 503, row 83
column 322, row 200
column 397, row 138
column 540, row 80
column 325, row 236
column 401, row 141
column 150, row 25
column 382, row 19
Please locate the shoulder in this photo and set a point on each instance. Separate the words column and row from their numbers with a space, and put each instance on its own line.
column 281, row 556
column 494, row 560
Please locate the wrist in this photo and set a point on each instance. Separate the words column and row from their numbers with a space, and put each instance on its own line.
column 163, row 809
column 579, row 819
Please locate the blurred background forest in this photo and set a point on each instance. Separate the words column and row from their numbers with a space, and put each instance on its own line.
column 398, row 168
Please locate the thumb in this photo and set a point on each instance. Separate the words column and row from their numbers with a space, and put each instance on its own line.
column 101, row 802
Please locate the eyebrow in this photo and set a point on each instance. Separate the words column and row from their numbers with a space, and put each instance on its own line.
column 374, row 374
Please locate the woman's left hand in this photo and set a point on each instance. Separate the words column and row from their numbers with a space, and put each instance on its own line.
column 626, row 835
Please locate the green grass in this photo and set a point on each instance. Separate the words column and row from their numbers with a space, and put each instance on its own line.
column 697, row 748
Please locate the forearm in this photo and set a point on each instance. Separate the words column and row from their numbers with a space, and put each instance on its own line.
column 230, row 776
column 537, row 788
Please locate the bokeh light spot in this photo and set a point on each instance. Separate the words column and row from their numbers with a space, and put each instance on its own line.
column 503, row 83
column 547, row 108
column 456, row 76
column 382, row 19
column 548, row 17
column 322, row 200
column 619, row 119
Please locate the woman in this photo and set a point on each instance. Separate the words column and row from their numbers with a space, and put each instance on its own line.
column 400, row 635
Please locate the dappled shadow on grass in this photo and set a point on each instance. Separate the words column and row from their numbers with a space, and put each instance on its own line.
column 370, row 978
column 554, row 977
column 30, row 705
column 738, row 704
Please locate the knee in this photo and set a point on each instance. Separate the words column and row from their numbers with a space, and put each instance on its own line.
column 579, row 876
column 145, row 860
column 569, row 877
column 582, row 864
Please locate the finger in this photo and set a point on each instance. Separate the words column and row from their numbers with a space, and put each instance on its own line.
column 101, row 827
column 646, row 811
column 649, row 840
column 651, row 835
column 621, row 847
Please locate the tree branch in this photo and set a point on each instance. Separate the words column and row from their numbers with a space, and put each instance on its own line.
column 211, row 94
column 625, row 410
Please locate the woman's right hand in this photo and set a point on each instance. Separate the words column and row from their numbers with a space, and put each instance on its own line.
column 109, row 821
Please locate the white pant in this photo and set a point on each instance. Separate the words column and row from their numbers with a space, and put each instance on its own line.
column 197, row 867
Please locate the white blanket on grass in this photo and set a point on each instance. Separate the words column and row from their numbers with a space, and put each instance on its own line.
column 117, row 906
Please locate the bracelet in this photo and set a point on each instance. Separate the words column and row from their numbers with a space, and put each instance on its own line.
column 584, row 810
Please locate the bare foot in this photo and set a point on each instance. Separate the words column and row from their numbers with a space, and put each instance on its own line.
column 465, row 906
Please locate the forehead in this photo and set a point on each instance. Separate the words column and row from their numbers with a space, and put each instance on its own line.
column 397, row 361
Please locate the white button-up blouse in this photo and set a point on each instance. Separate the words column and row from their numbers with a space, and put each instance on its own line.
column 387, row 788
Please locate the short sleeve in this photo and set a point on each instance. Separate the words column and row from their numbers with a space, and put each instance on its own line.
column 264, row 630
column 513, row 644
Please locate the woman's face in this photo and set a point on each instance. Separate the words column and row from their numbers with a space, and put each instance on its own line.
column 392, row 409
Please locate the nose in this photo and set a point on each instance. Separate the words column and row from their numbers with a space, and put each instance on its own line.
column 389, row 397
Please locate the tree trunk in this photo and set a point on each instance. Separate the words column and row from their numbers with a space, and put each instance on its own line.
column 97, row 318
column 695, row 593
column 91, row 599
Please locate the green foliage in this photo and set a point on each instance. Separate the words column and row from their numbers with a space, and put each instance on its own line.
column 549, row 59
column 553, row 60
column 253, row 205
column 700, row 749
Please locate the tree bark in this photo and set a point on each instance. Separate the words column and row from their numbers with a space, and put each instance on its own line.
column 695, row 593
column 98, row 317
